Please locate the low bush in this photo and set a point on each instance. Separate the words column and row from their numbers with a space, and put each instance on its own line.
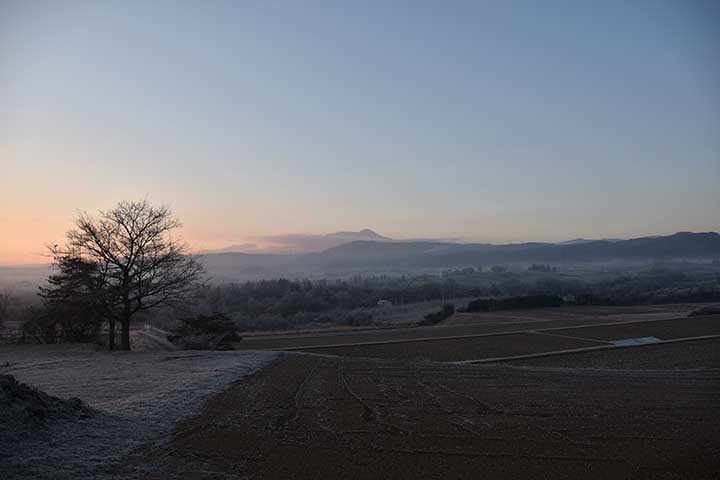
column 447, row 311
column 205, row 332
column 212, row 324
column 38, row 327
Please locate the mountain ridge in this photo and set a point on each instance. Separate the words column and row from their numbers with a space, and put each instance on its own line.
column 402, row 256
column 416, row 256
column 300, row 243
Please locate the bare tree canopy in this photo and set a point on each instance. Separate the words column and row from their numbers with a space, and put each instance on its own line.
column 135, row 262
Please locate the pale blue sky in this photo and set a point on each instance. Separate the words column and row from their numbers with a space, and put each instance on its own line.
column 499, row 121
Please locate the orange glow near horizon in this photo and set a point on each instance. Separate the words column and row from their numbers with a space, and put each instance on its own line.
column 25, row 243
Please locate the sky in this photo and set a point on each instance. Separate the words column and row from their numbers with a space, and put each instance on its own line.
column 502, row 121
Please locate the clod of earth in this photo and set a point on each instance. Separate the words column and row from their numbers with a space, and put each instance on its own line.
column 21, row 404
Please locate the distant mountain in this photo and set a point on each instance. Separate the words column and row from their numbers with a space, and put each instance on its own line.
column 241, row 248
column 301, row 243
column 403, row 256
column 364, row 234
column 584, row 240
column 373, row 248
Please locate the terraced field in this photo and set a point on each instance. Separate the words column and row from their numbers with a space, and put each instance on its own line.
column 497, row 335
column 542, row 394
column 499, row 345
column 332, row 417
column 472, row 324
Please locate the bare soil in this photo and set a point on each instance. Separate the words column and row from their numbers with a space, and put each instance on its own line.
column 480, row 323
column 396, row 334
column 310, row 416
column 460, row 349
column 543, row 339
column 23, row 408
column 664, row 329
column 687, row 355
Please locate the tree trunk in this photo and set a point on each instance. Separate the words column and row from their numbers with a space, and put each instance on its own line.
column 111, row 334
column 125, row 345
column 125, row 333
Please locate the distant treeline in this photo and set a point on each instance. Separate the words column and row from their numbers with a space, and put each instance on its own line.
column 277, row 304
column 287, row 304
column 288, row 297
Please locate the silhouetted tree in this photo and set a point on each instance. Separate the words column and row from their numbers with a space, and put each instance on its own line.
column 76, row 300
column 129, row 261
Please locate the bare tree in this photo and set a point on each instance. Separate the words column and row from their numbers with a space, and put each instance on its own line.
column 137, row 264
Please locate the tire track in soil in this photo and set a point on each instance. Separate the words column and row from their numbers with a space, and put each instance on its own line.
column 491, row 410
column 369, row 413
column 343, row 416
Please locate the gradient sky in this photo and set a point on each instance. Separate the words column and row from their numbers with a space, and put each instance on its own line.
column 488, row 121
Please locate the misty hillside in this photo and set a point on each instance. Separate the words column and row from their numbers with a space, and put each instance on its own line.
column 412, row 256
column 369, row 248
column 301, row 243
column 438, row 255
column 364, row 234
column 408, row 256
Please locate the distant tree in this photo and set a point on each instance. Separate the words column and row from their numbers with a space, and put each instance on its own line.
column 4, row 307
column 541, row 268
column 129, row 261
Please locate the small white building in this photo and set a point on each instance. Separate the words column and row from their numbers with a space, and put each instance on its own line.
column 384, row 303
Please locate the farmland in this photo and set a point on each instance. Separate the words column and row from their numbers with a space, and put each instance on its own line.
column 544, row 393
column 497, row 334
column 404, row 403
column 336, row 417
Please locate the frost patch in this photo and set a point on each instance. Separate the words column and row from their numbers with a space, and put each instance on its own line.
column 136, row 398
column 634, row 341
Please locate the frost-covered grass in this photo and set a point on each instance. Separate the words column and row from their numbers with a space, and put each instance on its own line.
column 138, row 396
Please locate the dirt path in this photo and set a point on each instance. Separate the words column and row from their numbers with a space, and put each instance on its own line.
column 311, row 416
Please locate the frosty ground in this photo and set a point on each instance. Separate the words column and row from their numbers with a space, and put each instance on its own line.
column 138, row 397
